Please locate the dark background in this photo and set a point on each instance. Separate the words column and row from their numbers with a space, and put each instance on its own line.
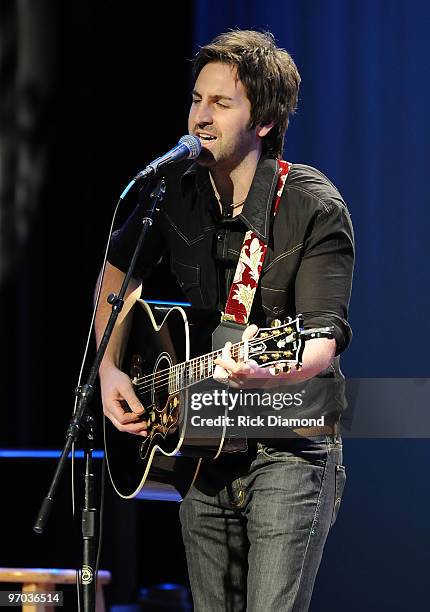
column 90, row 93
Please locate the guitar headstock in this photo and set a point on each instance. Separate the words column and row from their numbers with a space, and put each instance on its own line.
column 281, row 345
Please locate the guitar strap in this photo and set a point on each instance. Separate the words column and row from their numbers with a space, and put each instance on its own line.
column 247, row 275
column 241, row 296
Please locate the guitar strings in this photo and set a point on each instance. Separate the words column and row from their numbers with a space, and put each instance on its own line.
column 174, row 388
column 167, row 373
column 173, row 374
column 145, row 383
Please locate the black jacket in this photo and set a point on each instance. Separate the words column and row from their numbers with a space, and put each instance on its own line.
column 309, row 261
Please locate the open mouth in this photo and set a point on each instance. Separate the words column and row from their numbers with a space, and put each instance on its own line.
column 206, row 137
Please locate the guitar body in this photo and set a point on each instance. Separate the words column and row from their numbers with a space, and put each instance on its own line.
column 166, row 455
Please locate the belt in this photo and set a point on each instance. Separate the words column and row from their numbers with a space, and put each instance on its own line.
column 324, row 430
column 232, row 445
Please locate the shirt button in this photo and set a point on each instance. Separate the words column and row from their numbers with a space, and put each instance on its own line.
column 276, row 309
column 220, row 237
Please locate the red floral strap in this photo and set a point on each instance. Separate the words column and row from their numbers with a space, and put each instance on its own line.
column 245, row 281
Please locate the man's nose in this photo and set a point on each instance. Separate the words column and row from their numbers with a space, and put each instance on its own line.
column 203, row 115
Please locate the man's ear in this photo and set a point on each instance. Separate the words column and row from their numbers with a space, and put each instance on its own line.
column 264, row 128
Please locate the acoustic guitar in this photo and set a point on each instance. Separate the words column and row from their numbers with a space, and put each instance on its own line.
column 159, row 363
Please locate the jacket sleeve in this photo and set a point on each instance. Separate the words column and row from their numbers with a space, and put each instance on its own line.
column 324, row 279
column 124, row 240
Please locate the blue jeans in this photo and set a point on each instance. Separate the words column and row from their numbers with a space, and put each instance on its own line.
column 255, row 524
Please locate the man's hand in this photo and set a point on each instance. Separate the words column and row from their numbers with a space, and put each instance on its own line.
column 240, row 374
column 120, row 403
column 318, row 354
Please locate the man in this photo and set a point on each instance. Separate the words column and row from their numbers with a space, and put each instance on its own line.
column 255, row 523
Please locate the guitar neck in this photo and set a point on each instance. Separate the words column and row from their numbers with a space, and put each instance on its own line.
column 187, row 373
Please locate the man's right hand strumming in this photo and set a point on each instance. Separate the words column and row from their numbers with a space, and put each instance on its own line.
column 120, row 403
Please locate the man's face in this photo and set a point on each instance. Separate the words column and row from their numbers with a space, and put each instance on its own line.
column 220, row 115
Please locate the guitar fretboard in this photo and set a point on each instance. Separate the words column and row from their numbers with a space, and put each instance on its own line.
column 187, row 373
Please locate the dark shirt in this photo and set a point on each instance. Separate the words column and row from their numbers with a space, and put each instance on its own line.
column 309, row 261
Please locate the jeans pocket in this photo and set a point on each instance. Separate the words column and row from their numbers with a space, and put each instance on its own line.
column 339, row 485
column 311, row 453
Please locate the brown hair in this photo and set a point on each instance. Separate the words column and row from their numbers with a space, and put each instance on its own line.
column 268, row 73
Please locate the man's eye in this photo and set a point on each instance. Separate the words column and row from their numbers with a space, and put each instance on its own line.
column 196, row 100
column 222, row 105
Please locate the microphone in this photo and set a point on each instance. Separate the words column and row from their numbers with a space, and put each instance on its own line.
column 188, row 147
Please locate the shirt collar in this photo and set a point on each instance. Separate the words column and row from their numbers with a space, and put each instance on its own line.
column 258, row 205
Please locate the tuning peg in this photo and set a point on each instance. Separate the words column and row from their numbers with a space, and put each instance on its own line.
column 298, row 367
column 275, row 323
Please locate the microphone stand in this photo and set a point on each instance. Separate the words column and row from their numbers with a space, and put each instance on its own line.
column 84, row 421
